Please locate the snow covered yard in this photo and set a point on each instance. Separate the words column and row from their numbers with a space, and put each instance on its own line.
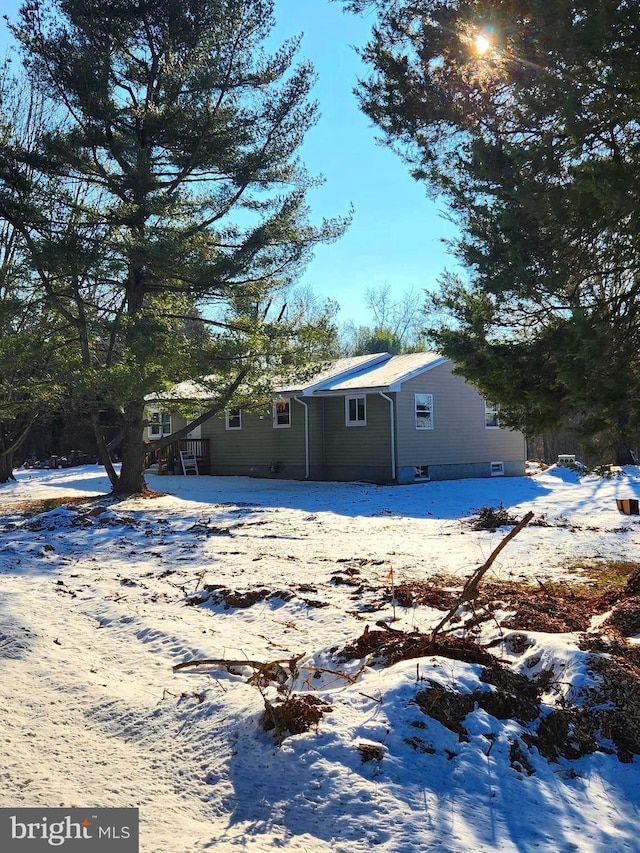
column 100, row 600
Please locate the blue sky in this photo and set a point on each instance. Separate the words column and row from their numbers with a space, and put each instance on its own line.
column 397, row 233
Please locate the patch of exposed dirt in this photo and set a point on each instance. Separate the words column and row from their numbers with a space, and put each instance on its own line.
column 389, row 646
column 348, row 577
column 615, row 704
column 447, row 707
column 604, row 576
column 519, row 759
column 370, row 752
column 36, row 507
column 145, row 494
column 568, row 732
column 422, row 594
column 215, row 594
column 607, row 721
column 605, row 718
column 564, row 608
column 548, row 616
column 420, row 745
column 613, row 645
column 294, row 715
column 514, row 695
column 552, row 609
column 632, row 586
column 625, row 617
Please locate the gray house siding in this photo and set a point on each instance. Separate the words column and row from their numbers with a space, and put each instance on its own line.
column 459, row 445
column 316, row 436
column 177, row 422
column 257, row 449
column 357, row 452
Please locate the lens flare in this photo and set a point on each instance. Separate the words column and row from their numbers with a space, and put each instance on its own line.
column 482, row 44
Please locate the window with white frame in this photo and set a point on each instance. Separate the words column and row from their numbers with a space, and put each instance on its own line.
column 497, row 469
column 491, row 415
column 233, row 418
column 281, row 413
column 159, row 424
column 355, row 410
column 424, row 411
column 421, row 472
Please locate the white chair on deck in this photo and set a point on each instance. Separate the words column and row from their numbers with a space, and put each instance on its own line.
column 189, row 463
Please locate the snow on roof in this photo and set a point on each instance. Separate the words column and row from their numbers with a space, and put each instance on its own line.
column 390, row 373
column 188, row 390
column 378, row 370
column 337, row 369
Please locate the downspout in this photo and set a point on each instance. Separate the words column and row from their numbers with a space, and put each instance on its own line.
column 393, row 434
column 307, row 472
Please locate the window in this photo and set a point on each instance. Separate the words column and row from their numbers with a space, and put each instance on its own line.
column 281, row 413
column 421, row 472
column 491, row 415
column 355, row 411
column 497, row 469
column 160, row 424
column 424, row 411
column 233, row 419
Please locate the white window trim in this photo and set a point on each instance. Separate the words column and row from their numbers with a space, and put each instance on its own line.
column 276, row 425
column 493, row 410
column 356, row 423
column 421, row 478
column 227, row 416
column 500, row 469
column 415, row 412
column 156, row 430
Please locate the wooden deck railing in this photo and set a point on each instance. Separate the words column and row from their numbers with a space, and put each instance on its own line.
column 171, row 453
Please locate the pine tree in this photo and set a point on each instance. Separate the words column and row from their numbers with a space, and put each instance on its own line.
column 171, row 165
column 523, row 115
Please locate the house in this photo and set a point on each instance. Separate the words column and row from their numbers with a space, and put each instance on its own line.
column 379, row 418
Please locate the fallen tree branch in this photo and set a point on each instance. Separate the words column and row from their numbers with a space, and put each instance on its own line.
column 470, row 589
column 264, row 670
column 352, row 679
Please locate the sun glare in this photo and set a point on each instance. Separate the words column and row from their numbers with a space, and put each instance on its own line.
column 482, row 44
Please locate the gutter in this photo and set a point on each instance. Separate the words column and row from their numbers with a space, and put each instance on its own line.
column 307, row 472
column 393, row 435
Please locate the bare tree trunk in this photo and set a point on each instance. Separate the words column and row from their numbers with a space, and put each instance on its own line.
column 103, row 451
column 131, row 480
column 10, row 444
column 6, row 467
column 6, row 459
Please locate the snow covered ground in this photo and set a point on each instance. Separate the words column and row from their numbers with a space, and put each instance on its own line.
column 100, row 600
